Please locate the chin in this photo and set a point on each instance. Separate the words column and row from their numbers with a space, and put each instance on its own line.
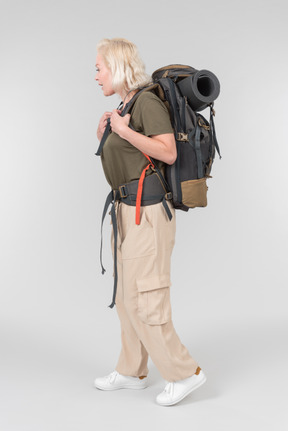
column 108, row 93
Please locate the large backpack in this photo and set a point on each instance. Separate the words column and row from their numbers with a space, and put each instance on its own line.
column 185, row 91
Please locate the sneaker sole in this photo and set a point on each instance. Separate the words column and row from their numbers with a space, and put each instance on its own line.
column 119, row 387
column 200, row 383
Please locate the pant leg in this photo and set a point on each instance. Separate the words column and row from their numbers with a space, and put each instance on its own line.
column 145, row 264
column 133, row 356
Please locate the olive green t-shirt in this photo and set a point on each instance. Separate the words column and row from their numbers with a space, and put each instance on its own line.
column 121, row 161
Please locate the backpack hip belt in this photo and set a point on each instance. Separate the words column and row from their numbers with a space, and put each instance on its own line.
column 153, row 192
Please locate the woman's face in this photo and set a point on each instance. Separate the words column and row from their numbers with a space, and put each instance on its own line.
column 103, row 76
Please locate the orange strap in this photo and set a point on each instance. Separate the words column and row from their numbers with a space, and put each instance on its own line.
column 140, row 189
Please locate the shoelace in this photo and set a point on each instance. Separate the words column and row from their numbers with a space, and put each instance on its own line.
column 169, row 388
column 112, row 377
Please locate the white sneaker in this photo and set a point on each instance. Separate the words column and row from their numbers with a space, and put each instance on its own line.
column 117, row 381
column 176, row 391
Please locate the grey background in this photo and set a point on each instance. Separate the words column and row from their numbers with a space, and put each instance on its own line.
column 229, row 270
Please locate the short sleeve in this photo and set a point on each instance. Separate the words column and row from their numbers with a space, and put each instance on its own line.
column 150, row 116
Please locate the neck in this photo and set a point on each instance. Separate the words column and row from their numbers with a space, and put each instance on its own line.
column 126, row 97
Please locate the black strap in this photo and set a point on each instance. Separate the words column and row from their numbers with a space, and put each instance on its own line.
column 104, row 137
column 172, row 99
column 114, row 224
column 177, row 125
column 105, row 134
column 167, row 209
column 123, row 113
column 213, row 131
column 110, row 200
column 198, row 152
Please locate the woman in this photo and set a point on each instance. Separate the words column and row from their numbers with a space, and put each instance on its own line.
column 143, row 249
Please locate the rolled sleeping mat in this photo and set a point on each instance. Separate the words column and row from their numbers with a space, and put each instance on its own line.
column 201, row 89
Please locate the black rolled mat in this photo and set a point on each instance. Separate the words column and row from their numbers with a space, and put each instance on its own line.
column 201, row 89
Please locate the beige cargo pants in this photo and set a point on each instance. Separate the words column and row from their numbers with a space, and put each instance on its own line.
column 143, row 295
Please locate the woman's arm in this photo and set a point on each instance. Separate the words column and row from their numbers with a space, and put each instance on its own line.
column 160, row 147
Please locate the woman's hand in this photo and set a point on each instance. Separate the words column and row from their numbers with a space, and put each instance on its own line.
column 102, row 124
column 119, row 124
column 161, row 147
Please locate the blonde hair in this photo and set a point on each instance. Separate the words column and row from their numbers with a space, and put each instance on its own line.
column 127, row 68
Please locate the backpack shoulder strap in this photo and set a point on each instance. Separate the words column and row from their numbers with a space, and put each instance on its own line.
column 125, row 111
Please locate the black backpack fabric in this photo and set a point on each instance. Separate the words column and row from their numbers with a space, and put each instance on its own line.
column 186, row 91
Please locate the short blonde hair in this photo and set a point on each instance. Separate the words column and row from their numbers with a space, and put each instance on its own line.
column 127, row 68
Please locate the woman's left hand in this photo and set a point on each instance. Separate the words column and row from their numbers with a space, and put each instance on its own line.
column 119, row 124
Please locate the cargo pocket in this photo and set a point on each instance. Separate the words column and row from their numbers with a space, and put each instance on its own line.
column 194, row 193
column 154, row 306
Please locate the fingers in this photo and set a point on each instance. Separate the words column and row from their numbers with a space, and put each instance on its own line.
column 116, row 113
column 104, row 119
column 106, row 115
column 126, row 119
column 117, row 123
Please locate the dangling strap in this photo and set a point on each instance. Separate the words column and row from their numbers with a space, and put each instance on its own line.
column 212, row 130
column 110, row 200
column 140, row 188
column 167, row 209
column 114, row 224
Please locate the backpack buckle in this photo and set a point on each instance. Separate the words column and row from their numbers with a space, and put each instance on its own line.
column 182, row 136
column 122, row 191
column 202, row 124
column 168, row 196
